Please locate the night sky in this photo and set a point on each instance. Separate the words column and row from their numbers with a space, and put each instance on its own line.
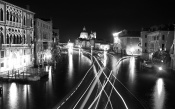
column 103, row 17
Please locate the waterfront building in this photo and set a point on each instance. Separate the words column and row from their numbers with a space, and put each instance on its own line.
column 157, row 38
column 43, row 41
column 172, row 52
column 129, row 43
column 16, row 38
column 56, row 38
column 85, row 40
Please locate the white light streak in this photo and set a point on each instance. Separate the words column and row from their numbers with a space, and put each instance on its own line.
column 13, row 96
column 104, row 87
column 159, row 94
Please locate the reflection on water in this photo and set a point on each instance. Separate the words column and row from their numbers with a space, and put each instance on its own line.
column 70, row 68
column 49, row 83
column 105, row 58
column 13, row 96
column 114, row 65
column 46, row 93
column 132, row 73
column 159, row 94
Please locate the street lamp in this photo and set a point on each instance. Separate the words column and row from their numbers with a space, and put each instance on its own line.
column 116, row 40
column 116, row 35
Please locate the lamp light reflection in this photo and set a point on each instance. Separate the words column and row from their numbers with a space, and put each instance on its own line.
column 159, row 94
column 70, row 68
column 105, row 58
column 132, row 70
column 13, row 96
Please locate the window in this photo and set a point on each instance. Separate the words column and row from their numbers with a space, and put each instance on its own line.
column 145, row 51
column 163, row 37
column 8, row 39
column 157, row 37
column 2, row 38
column 24, row 52
column 1, row 13
column 145, row 44
column 2, row 54
column 163, row 46
column 7, row 15
column 10, row 16
column 24, row 20
column 2, row 64
column 145, row 36
column 154, row 38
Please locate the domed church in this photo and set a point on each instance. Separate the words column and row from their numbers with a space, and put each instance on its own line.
column 85, row 40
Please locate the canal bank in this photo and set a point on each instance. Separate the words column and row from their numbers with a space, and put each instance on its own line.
column 30, row 74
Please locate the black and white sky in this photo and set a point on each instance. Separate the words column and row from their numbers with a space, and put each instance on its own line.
column 103, row 17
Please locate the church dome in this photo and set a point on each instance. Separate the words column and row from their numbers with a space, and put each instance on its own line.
column 84, row 34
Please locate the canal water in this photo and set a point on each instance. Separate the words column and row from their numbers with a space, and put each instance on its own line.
column 45, row 94
column 154, row 89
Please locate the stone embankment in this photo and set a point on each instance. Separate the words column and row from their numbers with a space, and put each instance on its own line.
column 31, row 74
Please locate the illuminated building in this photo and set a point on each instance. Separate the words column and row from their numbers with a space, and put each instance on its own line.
column 130, row 42
column 172, row 52
column 157, row 38
column 16, row 38
column 55, row 36
column 89, row 41
column 86, row 40
column 43, row 40
column 84, row 34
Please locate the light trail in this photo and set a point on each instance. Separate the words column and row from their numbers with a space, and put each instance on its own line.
column 99, row 92
column 103, row 86
column 76, row 87
column 88, row 95
column 109, row 96
column 125, row 57
column 91, row 89
column 106, row 95
column 85, row 91
column 103, row 89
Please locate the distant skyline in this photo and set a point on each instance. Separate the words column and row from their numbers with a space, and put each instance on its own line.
column 104, row 17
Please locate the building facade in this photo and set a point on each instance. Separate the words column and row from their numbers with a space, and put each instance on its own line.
column 157, row 38
column 56, row 38
column 43, row 41
column 85, row 40
column 16, row 38
column 172, row 52
column 128, row 42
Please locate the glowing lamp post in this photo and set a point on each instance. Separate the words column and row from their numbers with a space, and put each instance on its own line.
column 116, row 35
column 116, row 41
